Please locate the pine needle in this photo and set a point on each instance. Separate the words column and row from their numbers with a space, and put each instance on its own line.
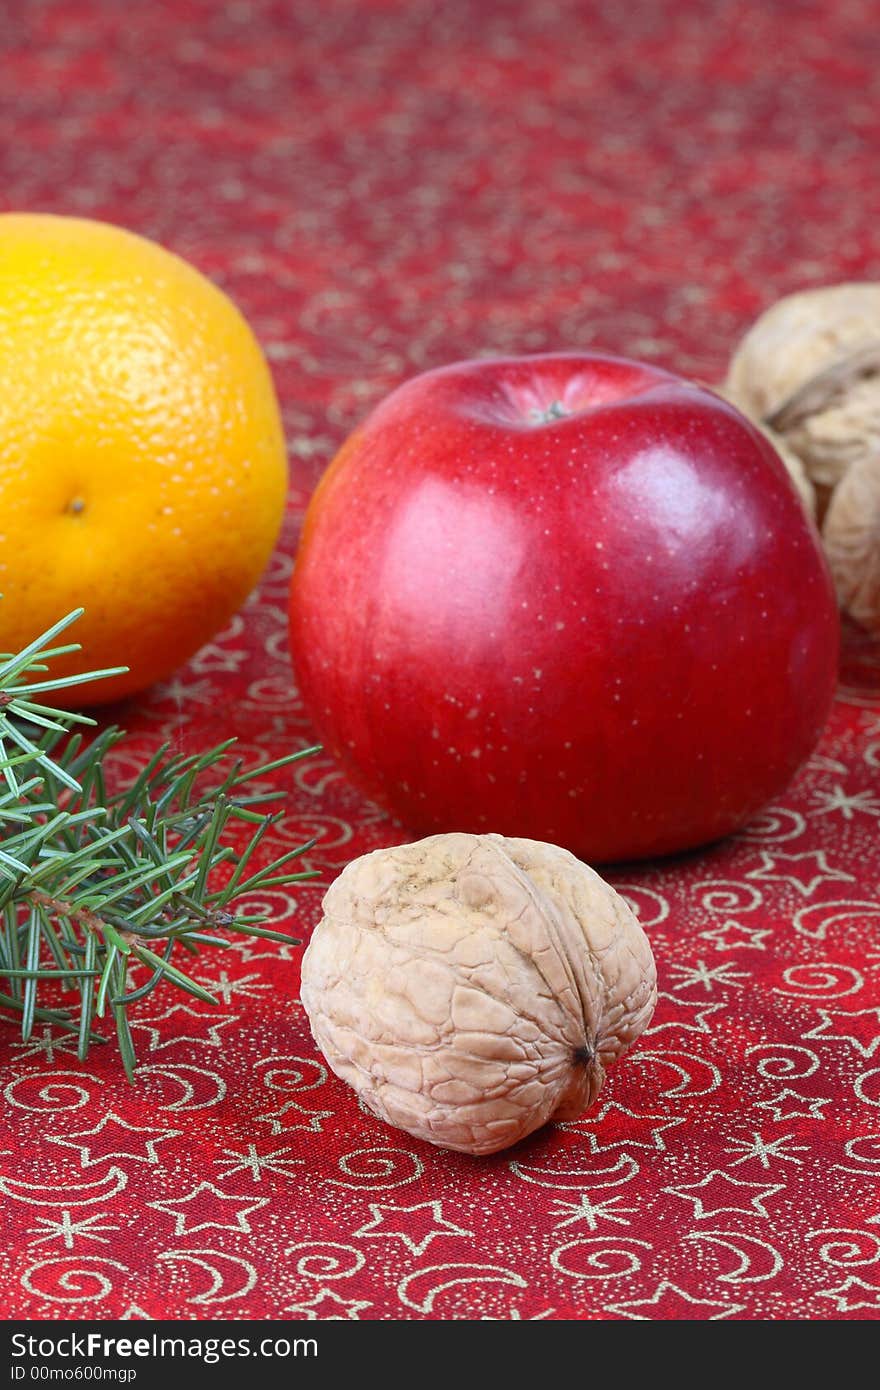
column 91, row 880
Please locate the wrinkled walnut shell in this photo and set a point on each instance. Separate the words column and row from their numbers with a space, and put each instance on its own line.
column 472, row 987
column 851, row 533
column 809, row 370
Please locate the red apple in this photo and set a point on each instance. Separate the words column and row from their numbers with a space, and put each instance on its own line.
column 569, row 597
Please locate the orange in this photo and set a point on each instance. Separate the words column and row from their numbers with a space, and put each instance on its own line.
column 142, row 463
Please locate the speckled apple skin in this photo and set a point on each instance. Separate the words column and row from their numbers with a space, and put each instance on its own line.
column 613, row 630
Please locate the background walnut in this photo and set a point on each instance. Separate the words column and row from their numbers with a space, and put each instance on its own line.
column 472, row 987
column 851, row 532
column 809, row 369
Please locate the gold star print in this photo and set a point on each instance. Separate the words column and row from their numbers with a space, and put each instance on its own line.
column 853, row 1293
column 669, row 1301
column 433, row 1227
column 790, row 1105
column 687, row 1015
column 860, row 1028
column 735, row 936
column 805, row 872
column 332, row 1308
column 202, row 1028
column 626, row 1129
column 718, row 1192
column 114, row 1137
column 312, row 1119
column 205, row 1205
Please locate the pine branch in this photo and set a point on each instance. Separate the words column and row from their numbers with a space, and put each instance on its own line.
column 98, row 886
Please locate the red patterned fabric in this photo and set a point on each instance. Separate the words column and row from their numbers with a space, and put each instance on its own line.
column 384, row 187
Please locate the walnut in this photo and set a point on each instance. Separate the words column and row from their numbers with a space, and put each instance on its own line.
column 809, row 369
column 472, row 987
column 851, row 533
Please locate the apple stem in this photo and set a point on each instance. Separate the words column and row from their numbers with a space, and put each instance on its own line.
column 554, row 411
